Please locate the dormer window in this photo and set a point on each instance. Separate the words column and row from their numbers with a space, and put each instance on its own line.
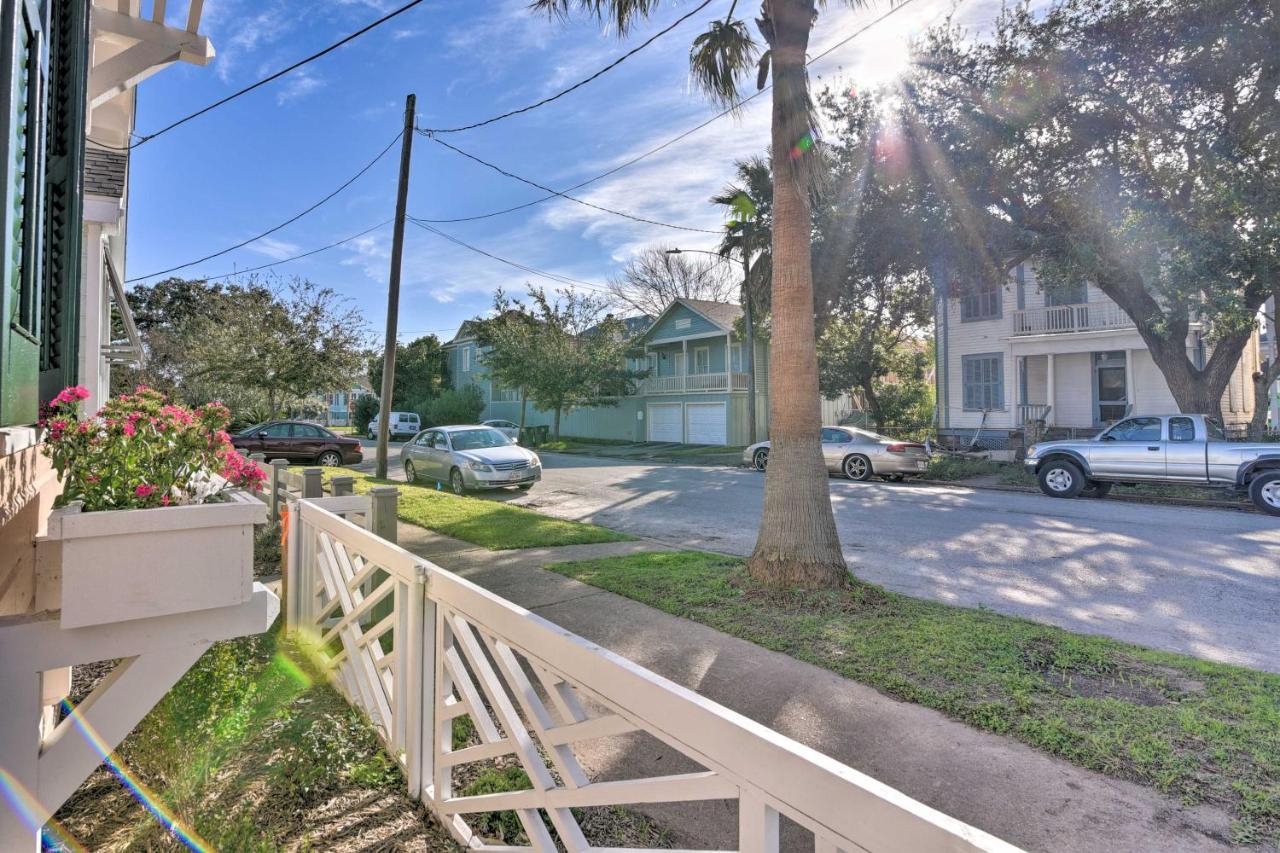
column 683, row 323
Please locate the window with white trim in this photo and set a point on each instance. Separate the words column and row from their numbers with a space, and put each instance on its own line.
column 702, row 360
column 980, row 301
column 983, row 382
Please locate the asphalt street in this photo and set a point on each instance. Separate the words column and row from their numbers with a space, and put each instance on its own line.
column 1200, row 581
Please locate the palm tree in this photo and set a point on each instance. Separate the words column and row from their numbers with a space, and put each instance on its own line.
column 797, row 544
column 747, row 234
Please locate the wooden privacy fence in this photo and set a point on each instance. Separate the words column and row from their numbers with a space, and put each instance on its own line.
column 416, row 648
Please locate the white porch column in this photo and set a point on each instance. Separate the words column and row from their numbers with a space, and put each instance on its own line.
column 728, row 361
column 684, row 373
column 1050, row 396
column 1130, row 393
column 93, row 309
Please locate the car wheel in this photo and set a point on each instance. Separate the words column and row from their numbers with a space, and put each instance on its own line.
column 1264, row 491
column 761, row 459
column 1097, row 490
column 457, row 485
column 858, row 468
column 1061, row 479
column 330, row 459
column 410, row 473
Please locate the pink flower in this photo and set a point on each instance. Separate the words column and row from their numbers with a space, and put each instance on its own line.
column 164, row 500
column 144, row 490
column 129, row 428
column 72, row 394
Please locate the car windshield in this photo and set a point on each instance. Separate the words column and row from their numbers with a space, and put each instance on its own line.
column 477, row 439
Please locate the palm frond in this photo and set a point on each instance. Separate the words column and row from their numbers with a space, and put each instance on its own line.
column 622, row 14
column 719, row 57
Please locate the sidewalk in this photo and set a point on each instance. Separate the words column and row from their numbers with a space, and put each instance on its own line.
column 1030, row 799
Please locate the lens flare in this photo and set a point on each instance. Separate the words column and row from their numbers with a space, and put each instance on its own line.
column 53, row 836
column 135, row 786
column 802, row 145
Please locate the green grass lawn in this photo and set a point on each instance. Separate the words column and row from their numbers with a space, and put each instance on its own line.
column 1203, row 732
column 252, row 750
column 487, row 523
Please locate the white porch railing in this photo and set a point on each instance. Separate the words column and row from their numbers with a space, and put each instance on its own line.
column 416, row 647
column 1061, row 319
column 694, row 382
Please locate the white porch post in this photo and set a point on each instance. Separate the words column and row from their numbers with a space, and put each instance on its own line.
column 684, row 356
column 1050, row 396
column 1130, row 394
column 728, row 361
column 93, row 306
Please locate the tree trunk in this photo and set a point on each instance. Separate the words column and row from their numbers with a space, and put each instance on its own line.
column 1196, row 390
column 1263, row 379
column 557, row 424
column 868, row 389
column 797, row 544
column 524, row 400
column 748, row 321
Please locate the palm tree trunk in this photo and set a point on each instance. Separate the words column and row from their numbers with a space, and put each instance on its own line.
column 797, row 544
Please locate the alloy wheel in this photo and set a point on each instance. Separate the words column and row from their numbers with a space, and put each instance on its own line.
column 409, row 473
column 330, row 459
column 1059, row 479
column 1271, row 493
column 456, row 483
column 761, row 460
column 856, row 468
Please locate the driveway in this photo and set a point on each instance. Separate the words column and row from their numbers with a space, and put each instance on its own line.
column 1198, row 581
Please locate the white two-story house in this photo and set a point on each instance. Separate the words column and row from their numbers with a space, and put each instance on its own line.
column 1010, row 355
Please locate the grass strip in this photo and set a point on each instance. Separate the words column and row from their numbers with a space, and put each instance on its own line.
column 487, row 523
column 1200, row 731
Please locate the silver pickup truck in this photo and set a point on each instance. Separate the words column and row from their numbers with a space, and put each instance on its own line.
column 1185, row 449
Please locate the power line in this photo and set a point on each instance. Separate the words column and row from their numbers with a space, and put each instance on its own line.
column 265, row 80
column 270, row 231
column 558, row 95
column 299, row 257
column 663, row 146
column 536, row 185
column 556, row 277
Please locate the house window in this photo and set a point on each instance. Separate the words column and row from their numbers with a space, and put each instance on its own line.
column 466, row 359
column 1072, row 294
column 702, row 360
column 983, row 382
column 981, row 302
column 735, row 358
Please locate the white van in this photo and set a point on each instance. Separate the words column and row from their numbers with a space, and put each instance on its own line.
column 403, row 425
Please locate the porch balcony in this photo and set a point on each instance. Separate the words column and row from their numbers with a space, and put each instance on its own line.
column 681, row 383
column 1065, row 319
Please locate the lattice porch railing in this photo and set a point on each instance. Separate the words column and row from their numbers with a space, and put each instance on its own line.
column 417, row 648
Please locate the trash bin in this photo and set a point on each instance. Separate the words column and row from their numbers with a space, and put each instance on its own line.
column 534, row 436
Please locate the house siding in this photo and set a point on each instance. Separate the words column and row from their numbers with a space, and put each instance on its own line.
column 668, row 328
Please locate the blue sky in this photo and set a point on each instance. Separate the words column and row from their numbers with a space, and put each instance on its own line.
column 261, row 159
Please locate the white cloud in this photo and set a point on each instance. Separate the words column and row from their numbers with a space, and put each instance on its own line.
column 298, row 85
column 275, row 249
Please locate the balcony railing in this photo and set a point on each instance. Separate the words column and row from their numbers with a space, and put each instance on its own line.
column 1064, row 319
column 694, row 383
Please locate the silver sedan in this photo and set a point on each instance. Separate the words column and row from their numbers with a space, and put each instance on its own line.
column 858, row 454
column 467, row 458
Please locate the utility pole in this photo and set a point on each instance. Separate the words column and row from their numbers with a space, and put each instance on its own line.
column 393, row 287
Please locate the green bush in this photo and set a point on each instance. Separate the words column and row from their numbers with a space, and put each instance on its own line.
column 459, row 406
column 363, row 411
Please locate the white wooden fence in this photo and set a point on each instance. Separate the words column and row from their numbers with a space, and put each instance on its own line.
column 416, row 647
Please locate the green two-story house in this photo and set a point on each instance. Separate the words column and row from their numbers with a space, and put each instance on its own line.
column 695, row 391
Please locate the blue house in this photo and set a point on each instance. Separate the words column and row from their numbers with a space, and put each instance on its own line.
column 695, row 393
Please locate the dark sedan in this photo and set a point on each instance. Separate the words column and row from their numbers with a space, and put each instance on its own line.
column 298, row 441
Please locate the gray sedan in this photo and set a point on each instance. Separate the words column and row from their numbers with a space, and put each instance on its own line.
column 859, row 454
column 468, row 458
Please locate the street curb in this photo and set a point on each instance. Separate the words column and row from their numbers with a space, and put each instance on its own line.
column 1132, row 499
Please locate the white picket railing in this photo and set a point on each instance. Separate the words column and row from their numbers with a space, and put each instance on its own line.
column 702, row 382
column 1059, row 319
column 416, row 647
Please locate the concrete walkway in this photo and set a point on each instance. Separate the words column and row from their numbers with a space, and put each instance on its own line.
column 1017, row 793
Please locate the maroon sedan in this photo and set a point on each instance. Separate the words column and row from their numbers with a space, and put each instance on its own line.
column 297, row 441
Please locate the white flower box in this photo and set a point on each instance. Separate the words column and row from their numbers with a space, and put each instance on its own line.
column 118, row 565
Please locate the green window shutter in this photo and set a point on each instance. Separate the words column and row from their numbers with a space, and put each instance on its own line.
column 21, row 105
column 64, row 147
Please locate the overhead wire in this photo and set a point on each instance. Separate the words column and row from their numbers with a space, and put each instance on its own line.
column 306, row 254
column 145, row 138
column 560, row 94
column 276, row 228
column 564, row 195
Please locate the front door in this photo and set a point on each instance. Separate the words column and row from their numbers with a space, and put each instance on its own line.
column 1111, row 396
column 1132, row 449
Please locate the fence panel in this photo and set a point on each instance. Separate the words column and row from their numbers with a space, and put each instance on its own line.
column 417, row 648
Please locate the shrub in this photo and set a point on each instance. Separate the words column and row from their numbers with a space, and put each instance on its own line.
column 140, row 451
column 459, row 406
column 363, row 411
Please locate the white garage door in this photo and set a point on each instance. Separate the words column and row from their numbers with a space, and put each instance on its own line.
column 708, row 423
column 664, row 422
